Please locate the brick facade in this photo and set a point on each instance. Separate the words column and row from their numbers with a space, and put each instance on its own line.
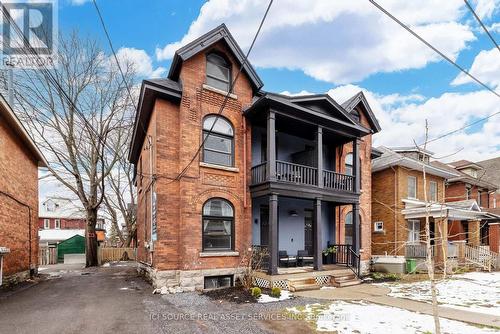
column 66, row 223
column 176, row 133
column 389, row 188
column 18, row 223
column 173, row 135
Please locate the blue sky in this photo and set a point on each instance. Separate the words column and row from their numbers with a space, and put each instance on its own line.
column 339, row 47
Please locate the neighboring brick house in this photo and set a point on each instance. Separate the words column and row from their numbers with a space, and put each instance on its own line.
column 60, row 219
column 475, row 183
column 397, row 185
column 195, row 231
column 19, row 162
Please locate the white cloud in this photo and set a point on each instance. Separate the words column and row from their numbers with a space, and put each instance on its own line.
column 336, row 41
column 402, row 118
column 142, row 62
column 485, row 67
column 486, row 8
column 79, row 2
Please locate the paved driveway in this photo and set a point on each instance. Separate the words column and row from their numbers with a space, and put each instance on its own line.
column 115, row 300
column 77, row 300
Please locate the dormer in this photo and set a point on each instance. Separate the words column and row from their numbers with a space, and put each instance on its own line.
column 414, row 153
column 467, row 167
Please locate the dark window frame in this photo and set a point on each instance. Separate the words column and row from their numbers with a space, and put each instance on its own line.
column 219, row 218
column 356, row 115
column 213, row 133
column 351, row 165
column 218, row 277
column 212, row 76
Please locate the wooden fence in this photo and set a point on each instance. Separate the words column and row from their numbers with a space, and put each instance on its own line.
column 107, row 254
column 47, row 256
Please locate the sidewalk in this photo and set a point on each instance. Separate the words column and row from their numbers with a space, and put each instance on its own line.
column 378, row 295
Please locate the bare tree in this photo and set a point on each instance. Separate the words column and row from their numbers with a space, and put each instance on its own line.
column 73, row 112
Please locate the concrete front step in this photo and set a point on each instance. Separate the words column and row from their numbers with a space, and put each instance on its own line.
column 304, row 287
column 343, row 284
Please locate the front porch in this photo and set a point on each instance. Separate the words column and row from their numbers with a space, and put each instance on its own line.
column 306, row 278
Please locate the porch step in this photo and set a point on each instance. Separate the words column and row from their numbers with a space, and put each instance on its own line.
column 344, row 280
column 302, row 284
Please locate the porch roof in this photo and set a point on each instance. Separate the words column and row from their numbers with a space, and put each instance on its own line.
column 336, row 119
column 454, row 211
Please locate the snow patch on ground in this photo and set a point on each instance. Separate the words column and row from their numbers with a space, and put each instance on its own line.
column 475, row 292
column 268, row 299
column 361, row 317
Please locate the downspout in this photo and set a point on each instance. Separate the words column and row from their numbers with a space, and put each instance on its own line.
column 151, row 248
column 29, row 225
column 244, row 124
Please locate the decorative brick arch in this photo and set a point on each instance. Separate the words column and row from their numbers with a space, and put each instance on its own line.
column 197, row 202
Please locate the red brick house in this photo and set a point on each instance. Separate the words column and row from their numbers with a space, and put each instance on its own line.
column 288, row 174
column 474, row 184
column 19, row 162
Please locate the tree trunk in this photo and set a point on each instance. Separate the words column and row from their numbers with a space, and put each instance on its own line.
column 91, row 239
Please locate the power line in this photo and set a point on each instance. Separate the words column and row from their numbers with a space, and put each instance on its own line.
column 184, row 170
column 482, row 24
column 112, row 49
column 383, row 10
column 54, row 81
column 451, row 62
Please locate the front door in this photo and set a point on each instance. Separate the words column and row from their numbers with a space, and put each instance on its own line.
column 308, row 231
column 264, row 225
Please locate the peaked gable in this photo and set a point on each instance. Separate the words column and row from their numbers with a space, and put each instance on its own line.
column 221, row 33
column 324, row 104
column 360, row 100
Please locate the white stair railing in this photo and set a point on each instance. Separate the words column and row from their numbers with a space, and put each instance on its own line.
column 481, row 256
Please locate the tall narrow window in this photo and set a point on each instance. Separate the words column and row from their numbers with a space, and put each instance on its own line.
column 479, row 195
column 412, row 187
column 355, row 115
column 349, row 230
column 46, row 223
column 218, row 72
column 57, row 223
column 468, row 192
column 414, row 231
column 218, row 225
column 433, row 191
column 348, row 164
column 219, row 146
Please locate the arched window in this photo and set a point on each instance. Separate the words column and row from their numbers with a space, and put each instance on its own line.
column 355, row 115
column 349, row 230
column 219, row 146
column 218, row 225
column 218, row 72
column 348, row 164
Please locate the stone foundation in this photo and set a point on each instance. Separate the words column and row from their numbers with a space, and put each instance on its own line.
column 365, row 267
column 183, row 280
column 16, row 278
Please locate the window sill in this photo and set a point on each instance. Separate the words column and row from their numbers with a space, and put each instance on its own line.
column 219, row 91
column 221, row 253
column 229, row 169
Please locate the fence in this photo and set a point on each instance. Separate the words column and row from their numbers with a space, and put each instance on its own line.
column 107, row 254
column 47, row 256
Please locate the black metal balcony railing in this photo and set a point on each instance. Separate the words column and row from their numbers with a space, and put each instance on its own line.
column 303, row 175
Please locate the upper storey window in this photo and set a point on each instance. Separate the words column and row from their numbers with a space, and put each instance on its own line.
column 218, row 147
column 355, row 115
column 218, row 72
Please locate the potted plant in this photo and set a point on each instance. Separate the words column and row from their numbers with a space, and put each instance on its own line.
column 328, row 254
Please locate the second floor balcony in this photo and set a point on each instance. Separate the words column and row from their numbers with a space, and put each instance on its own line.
column 304, row 150
column 293, row 173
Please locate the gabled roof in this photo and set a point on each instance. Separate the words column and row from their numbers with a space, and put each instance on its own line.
column 54, row 235
column 461, row 164
column 452, row 210
column 221, row 33
column 322, row 103
column 479, row 181
column 16, row 126
column 491, row 170
column 336, row 117
column 58, row 207
column 358, row 99
column 391, row 158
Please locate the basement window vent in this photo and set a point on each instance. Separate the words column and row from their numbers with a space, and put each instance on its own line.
column 378, row 226
column 218, row 282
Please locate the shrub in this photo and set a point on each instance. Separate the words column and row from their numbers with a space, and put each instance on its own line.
column 256, row 292
column 275, row 292
column 393, row 277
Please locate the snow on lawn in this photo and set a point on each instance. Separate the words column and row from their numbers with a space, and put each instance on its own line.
column 268, row 299
column 475, row 292
column 361, row 317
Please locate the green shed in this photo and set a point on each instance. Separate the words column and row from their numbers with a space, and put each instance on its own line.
column 73, row 245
